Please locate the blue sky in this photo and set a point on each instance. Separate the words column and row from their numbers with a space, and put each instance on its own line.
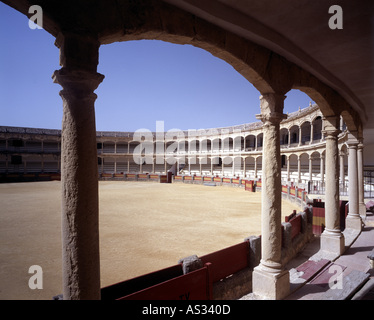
column 145, row 81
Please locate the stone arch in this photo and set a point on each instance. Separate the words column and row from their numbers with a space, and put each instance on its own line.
column 159, row 20
column 329, row 102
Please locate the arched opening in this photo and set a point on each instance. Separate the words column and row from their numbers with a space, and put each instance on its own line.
column 293, row 164
column 294, row 135
column 305, row 132
column 284, row 137
column 184, row 86
column 250, row 142
column 317, row 129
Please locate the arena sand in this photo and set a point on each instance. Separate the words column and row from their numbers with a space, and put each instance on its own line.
column 143, row 227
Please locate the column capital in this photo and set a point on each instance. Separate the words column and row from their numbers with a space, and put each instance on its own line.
column 271, row 105
column 352, row 141
column 77, row 82
column 331, row 126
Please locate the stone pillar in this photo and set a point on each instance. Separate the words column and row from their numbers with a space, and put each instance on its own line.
column 255, row 168
column 353, row 220
column 332, row 239
column 288, row 169
column 342, row 171
column 360, row 166
column 322, row 168
column 79, row 168
column 269, row 278
column 310, row 168
column 298, row 169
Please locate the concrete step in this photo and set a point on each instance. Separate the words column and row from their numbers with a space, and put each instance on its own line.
column 366, row 292
column 346, row 286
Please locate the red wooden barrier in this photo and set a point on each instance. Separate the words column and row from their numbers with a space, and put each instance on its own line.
column 171, row 284
column 300, row 193
column 127, row 287
column 228, row 261
column 106, row 175
column 249, row 185
column 318, row 220
column 56, row 176
column 284, row 189
column 118, row 175
column 166, row 178
column 319, row 215
column 292, row 191
column 195, row 285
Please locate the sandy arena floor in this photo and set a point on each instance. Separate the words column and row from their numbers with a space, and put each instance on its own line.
column 143, row 227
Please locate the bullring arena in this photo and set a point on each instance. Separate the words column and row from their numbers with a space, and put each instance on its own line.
column 151, row 215
column 136, row 236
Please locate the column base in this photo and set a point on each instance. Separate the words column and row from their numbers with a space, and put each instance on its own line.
column 353, row 222
column 362, row 210
column 332, row 242
column 270, row 285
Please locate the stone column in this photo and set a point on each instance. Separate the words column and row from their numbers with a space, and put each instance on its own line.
column 353, row 220
column 360, row 166
column 269, row 278
column 332, row 239
column 342, row 172
column 322, row 168
column 288, row 169
column 255, row 168
column 298, row 169
column 79, row 168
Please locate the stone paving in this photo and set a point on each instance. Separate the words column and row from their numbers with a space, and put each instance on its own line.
column 349, row 276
